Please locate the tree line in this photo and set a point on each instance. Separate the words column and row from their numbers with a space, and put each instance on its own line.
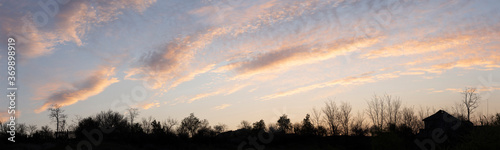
column 385, row 113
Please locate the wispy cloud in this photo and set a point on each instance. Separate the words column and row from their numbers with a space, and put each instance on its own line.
column 149, row 105
column 224, row 91
column 366, row 77
column 487, row 62
column 220, row 107
column 92, row 85
column 290, row 57
column 69, row 24
column 168, row 64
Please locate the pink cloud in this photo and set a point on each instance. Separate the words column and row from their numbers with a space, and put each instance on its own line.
column 92, row 85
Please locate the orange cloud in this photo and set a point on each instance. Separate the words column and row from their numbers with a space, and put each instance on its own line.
column 488, row 62
column 149, row 105
column 5, row 116
column 367, row 77
column 225, row 91
column 412, row 47
column 82, row 90
column 220, row 107
column 412, row 73
column 71, row 23
column 191, row 75
column 289, row 57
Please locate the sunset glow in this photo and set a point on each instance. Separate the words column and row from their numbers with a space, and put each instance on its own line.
column 228, row 61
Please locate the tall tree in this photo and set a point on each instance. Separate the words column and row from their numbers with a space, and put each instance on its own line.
column 146, row 124
column 112, row 120
column 357, row 126
column 409, row 118
column 470, row 100
column 344, row 117
column 393, row 106
column 32, row 129
column 307, row 127
column 375, row 111
column 330, row 112
column 284, row 124
column 316, row 117
column 132, row 113
column 259, row 125
column 57, row 115
column 190, row 124
column 169, row 125
column 157, row 129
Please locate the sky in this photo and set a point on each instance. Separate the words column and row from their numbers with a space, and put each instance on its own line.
column 233, row 60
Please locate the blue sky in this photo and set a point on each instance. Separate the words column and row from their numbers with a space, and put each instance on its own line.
column 228, row 61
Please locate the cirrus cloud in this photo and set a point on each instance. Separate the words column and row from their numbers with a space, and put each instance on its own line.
column 82, row 90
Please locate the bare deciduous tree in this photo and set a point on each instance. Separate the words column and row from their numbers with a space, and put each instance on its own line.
column 330, row 117
column 470, row 100
column 393, row 106
column 146, row 124
column 409, row 118
column 245, row 125
column 191, row 124
column 220, row 128
column 316, row 117
column 458, row 110
column 422, row 114
column 375, row 111
column 132, row 113
column 21, row 128
column 56, row 114
column 32, row 129
column 169, row 125
column 357, row 125
column 344, row 116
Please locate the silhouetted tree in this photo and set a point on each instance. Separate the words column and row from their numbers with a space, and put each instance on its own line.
column 220, row 128
column 21, row 129
column 205, row 130
column 136, row 129
column 375, row 111
column 409, row 119
column 157, row 129
column 146, row 124
column 496, row 121
column 321, row 131
column 258, row 126
column 85, row 124
column 296, row 128
column 284, row 124
column 316, row 117
column 169, row 125
column 307, row 127
column 393, row 106
column 114, row 121
column 470, row 100
column 245, row 125
column 45, row 133
column 331, row 112
column 111, row 119
column 132, row 113
column 32, row 129
column 273, row 128
column 344, row 117
column 357, row 126
column 190, row 125
column 57, row 115
column 422, row 114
